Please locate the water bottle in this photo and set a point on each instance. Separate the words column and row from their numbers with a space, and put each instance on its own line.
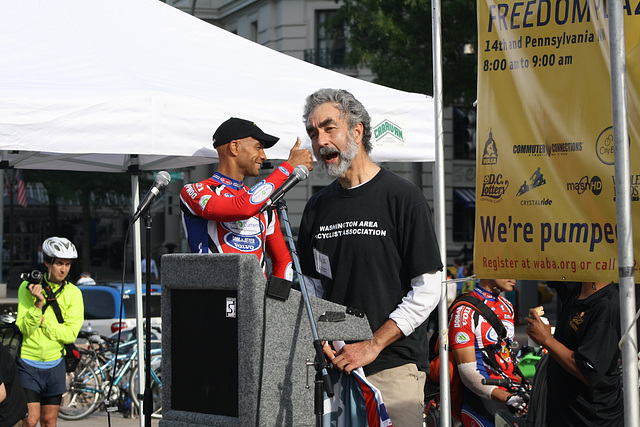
column 89, row 327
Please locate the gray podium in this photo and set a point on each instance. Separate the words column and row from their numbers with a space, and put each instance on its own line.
column 233, row 355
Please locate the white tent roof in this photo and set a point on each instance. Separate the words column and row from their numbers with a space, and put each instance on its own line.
column 84, row 84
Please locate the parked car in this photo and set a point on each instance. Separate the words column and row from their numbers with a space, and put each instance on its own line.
column 102, row 303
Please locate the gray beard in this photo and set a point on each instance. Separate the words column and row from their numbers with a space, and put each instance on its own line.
column 336, row 170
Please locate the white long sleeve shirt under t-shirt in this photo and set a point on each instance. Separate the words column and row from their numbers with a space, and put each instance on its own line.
column 415, row 307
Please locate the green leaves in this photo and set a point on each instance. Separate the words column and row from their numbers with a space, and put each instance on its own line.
column 394, row 39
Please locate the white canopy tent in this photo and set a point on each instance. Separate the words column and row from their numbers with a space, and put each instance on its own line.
column 92, row 82
column 91, row 85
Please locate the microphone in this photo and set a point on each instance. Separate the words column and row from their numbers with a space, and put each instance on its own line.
column 162, row 179
column 300, row 173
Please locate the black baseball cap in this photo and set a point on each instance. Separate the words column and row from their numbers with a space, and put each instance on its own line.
column 236, row 128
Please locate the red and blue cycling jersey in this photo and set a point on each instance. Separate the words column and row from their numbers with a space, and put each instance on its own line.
column 221, row 215
column 467, row 327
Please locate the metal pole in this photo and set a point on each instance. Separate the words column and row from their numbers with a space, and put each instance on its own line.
column 440, row 218
column 629, row 346
column 281, row 206
column 137, row 274
column 147, row 405
column 12, row 225
column 1, row 223
column 3, row 171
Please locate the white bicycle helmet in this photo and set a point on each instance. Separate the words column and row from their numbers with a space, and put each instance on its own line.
column 59, row 247
column 7, row 318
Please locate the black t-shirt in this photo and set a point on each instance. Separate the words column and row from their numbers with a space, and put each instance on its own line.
column 591, row 328
column 14, row 407
column 371, row 240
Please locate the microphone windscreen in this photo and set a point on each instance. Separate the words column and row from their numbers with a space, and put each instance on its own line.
column 301, row 171
column 163, row 178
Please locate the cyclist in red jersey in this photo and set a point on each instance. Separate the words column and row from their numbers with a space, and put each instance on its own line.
column 221, row 214
column 472, row 342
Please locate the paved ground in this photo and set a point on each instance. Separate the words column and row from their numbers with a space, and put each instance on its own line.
column 99, row 419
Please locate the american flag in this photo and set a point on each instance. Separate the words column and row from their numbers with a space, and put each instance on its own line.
column 21, row 190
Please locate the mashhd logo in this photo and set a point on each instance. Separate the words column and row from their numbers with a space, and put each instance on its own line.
column 388, row 133
column 490, row 152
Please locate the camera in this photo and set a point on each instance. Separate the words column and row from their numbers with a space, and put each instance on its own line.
column 34, row 277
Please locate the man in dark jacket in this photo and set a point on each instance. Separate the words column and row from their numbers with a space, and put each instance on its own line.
column 13, row 400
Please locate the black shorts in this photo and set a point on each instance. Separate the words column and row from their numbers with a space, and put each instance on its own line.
column 44, row 382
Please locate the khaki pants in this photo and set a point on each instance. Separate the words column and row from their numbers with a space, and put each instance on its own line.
column 402, row 391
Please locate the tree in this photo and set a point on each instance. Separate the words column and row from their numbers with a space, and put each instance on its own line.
column 394, row 39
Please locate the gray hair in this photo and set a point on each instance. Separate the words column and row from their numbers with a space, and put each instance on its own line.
column 350, row 108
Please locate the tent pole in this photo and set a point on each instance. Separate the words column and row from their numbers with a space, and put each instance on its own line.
column 629, row 346
column 12, row 221
column 137, row 274
column 440, row 216
column 2, row 176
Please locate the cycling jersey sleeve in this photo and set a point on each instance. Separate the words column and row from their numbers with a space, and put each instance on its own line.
column 207, row 203
column 279, row 252
column 461, row 328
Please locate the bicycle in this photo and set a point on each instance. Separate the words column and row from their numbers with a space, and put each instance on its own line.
column 431, row 405
column 503, row 417
column 156, row 386
column 89, row 383
column 93, row 379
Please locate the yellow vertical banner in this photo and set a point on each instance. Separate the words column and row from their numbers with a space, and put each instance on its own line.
column 545, row 186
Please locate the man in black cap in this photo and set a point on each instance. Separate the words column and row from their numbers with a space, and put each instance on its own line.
column 221, row 214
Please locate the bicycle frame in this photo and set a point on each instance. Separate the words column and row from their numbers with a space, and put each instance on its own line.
column 95, row 378
column 127, row 367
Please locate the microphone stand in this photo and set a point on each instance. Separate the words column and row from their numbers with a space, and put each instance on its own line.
column 321, row 367
column 147, row 401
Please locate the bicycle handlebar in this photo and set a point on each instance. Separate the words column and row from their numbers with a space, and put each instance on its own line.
column 85, row 334
column 514, row 387
column 500, row 382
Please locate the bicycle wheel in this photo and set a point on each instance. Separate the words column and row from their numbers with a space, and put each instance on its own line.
column 83, row 393
column 156, row 387
column 432, row 417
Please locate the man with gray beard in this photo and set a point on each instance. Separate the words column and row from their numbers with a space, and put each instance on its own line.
column 367, row 241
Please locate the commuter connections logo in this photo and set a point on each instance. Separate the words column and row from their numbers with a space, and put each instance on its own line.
column 554, row 149
column 530, row 149
column 388, row 133
column 564, row 148
column 490, row 152
column 585, row 184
